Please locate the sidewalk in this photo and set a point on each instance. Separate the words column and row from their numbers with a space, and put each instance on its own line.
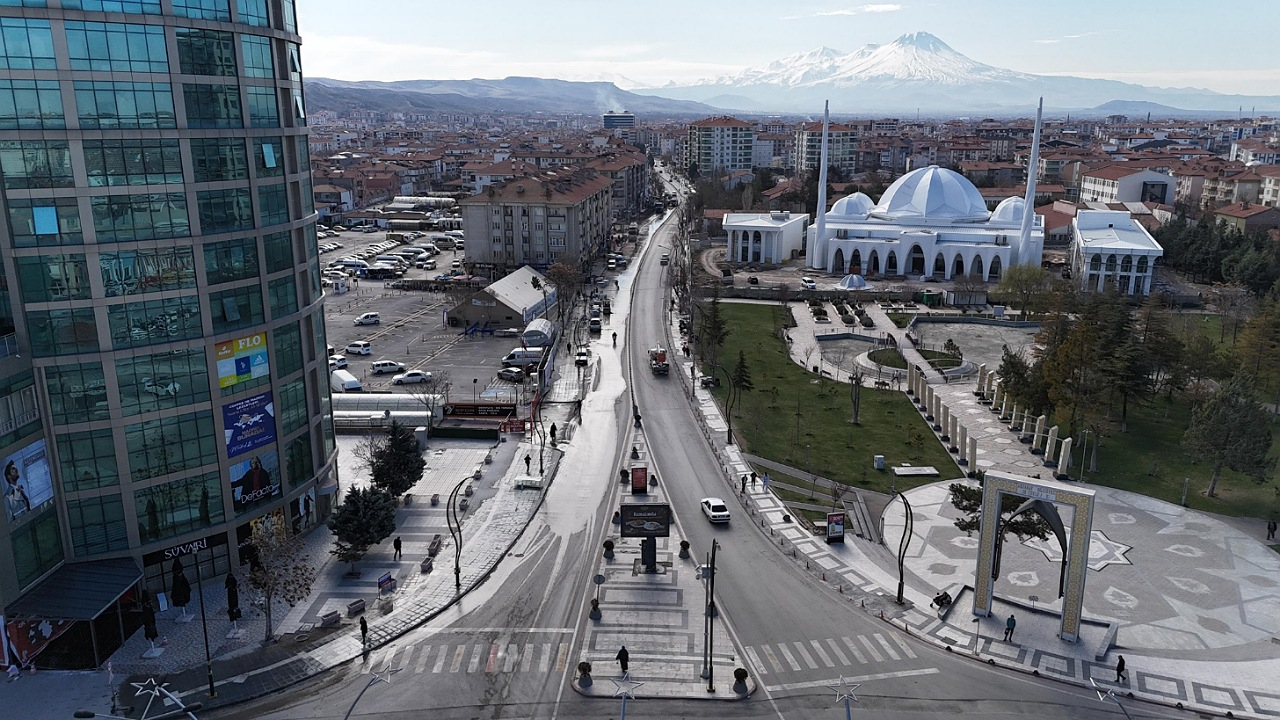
column 1191, row 602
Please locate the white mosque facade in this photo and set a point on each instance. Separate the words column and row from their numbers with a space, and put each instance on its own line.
column 929, row 222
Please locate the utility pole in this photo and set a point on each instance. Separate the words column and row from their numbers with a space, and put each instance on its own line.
column 709, row 575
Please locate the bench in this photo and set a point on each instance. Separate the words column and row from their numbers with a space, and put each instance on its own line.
column 434, row 548
column 355, row 607
column 330, row 619
column 463, row 504
column 427, row 565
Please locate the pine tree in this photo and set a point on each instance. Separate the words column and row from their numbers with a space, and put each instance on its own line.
column 365, row 518
column 1230, row 429
column 397, row 463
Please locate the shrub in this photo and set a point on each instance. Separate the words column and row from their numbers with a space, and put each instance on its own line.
column 848, row 319
column 868, row 322
column 740, row 675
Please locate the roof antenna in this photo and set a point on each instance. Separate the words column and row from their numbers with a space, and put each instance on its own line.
column 819, row 248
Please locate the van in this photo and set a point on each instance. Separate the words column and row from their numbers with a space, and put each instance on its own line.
column 395, row 260
column 519, row 357
column 343, row 381
column 353, row 264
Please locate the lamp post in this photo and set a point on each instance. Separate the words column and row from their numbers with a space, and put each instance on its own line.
column 155, row 690
column 474, row 383
column 1084, row 452
column 374, row 680
column 908, row 529
column 709, row 575
column 728, row 405
column 455, row 532
column 204, row 625
column 1109, row 696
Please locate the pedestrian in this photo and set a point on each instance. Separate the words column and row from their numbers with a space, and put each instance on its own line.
column 528, row 463
column 1271, row 530
column 1009, row 625
column 1120, row 672
column 753, row 478
column 766, row 481
column 743, row 490
column 364, row 632
column 623, row 657
column 396, row 544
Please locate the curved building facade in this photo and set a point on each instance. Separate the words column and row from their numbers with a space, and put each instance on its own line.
column 162, row 344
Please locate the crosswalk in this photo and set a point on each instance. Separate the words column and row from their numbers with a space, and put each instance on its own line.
column 474, row 657
column 803, row 655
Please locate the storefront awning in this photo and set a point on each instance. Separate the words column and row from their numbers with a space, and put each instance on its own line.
column 78, row 591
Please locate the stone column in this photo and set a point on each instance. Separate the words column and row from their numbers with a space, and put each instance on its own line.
column 928, row 402
column 982, row 380
column 991, row 384
column 997, row 395
column 1064, row 457
column 1051, row 444
column 944, row 420
column 911, row 379
column 1013, row 418
column 1004, row 407
column 1038, row 441
column 963, row 445
column 973, row 455
column 954, row 429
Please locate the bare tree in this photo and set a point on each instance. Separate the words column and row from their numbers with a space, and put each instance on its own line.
column 566, row 279
column 433, row 393
column 280, row 570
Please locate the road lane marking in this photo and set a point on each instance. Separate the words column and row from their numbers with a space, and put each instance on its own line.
column 526, row 658
column 822, row 654
column 804, row 655
column 513, row 657
column 457, row 659
column 854, row 649
column 476, row 654
column 836, row 649
column 791, row 659
column 870, row 648
column 905, row 647
column 444, row 652
column 861, row 678
column 562, row 657
column 423, row 657
column 544, row 663
column 887, row 648
column 491, row 665
column 755, row 662
column 773, row 659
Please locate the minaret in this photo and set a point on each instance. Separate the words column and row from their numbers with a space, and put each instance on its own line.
column 1029, row 202
column 818, row 248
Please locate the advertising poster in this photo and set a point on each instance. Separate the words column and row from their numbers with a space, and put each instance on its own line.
column 835, row 527
column 304, row 511
column 27, row 482
column 255, row 480
column 645, row 520
column 244, row 537
column 639, row 479
column 249, row 423
column 241, row 359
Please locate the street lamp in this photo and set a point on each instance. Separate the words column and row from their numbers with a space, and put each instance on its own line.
column 474, row 383
column 1109, row 696
column 728, row 406
column 908, row 529
column 204, row 625
column 1084, row 451
column 709, row 575
column 374, row 680
column 455, row 532
column 155, row 690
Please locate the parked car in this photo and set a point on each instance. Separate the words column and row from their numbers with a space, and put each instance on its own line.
column 337, row 362
column 161, row 388
column 381, row 367
column 369, row 318
column 582, row 357
column 715, row 510
column 709, row 381
column 360, row 347
column 511, row 374
column 808, row 283
column 594, row 325
column 666, row 259
column 411, row 377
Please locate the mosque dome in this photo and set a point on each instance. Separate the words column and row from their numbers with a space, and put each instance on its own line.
column 856, row 205
column 932, row 193
column 1009, row 210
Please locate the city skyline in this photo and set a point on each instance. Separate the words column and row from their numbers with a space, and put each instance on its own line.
column 574, row 40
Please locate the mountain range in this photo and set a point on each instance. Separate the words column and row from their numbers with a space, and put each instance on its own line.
column 919, row 72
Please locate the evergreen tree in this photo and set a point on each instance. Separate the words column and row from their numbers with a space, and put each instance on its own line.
column 741, row 377
column 1230, row 429
column 397, row 462
column 365, row 518
column 968, row 500
column 714, row 330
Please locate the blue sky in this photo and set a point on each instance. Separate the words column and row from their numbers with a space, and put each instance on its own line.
column 1173, row 43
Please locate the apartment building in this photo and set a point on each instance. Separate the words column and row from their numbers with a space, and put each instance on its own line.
column 842, row 147
column 1121, row 183
column 719, row 145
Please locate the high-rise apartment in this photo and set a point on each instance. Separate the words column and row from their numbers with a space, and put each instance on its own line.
column 162, row 345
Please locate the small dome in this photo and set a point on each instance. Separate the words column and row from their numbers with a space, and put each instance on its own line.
column 932, row 193
column 855, row 205
column 1009, row 210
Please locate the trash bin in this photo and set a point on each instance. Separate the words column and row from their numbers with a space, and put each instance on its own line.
column 878, row 461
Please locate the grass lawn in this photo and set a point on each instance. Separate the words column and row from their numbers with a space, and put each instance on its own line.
column 889, row 357
column 812, row 415
column 901, row 319
column 1149, row 459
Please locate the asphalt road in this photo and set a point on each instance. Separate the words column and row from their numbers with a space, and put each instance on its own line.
column 537, row 598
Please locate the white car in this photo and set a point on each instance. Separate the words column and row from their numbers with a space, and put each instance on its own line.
column 808, row 283
column 161, row 388
column 369, row 318
column 413, row 376
column 361, row 347
column 715, row 510
column 582, row 357
column 381, row 367
column 337, row 362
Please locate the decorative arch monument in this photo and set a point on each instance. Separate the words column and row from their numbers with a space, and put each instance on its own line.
column 995, row 486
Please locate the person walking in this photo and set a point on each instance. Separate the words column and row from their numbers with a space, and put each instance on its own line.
column 528, row 463
column 623, row 657
column 743, row 490
column 1120, row 671
column 753, row 478
column 396, row 544
column 766, row 481
column 1271, row 530
column 1009, row 625
column 364, row 632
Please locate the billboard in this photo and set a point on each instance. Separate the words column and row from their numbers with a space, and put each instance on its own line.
column 241, row 359
column 255, row 480
column 639, row 479
column 27, row 481
column 249, row 423
column 646, row 520
column 835, row 527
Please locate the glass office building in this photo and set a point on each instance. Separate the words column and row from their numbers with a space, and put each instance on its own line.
column 162, row 349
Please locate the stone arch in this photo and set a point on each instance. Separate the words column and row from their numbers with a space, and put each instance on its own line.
column 891, row 263
column 939, row 266
column 837, row 262
column 1142, row 264
column 855, row 262
column 1095, row 262
column 957, row 266
column 873, row 263
column 993, row 273
column 1126, row 264
column 976, row 270
column 915, row 261
column 1111, row 263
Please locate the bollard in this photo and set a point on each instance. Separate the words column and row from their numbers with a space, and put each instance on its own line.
column 881, row 614
column 864, row 603
column 824, row 577
column 806, row 564
column 841, row 588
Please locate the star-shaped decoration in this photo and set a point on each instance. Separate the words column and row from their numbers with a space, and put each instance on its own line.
column 845, row 691
column 150, row 687
column 625, row 688
column 1105, row 696
column 385, row 675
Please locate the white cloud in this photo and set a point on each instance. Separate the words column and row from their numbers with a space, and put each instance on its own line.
column 859, row 10
column 614, row 51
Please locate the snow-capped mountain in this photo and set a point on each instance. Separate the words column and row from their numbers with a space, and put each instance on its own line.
column 918, row 71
